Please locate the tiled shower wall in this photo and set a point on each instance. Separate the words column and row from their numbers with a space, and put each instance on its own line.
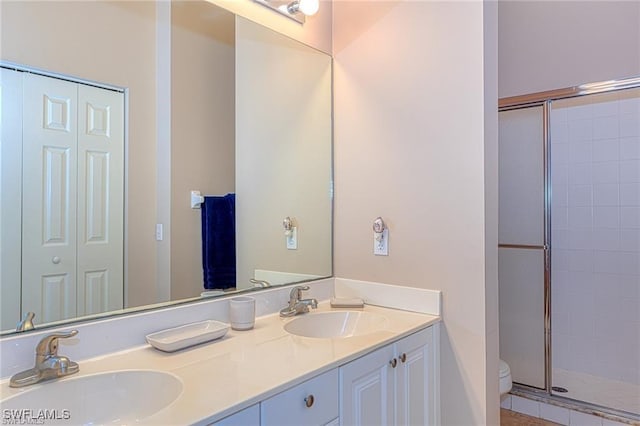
column 595, row 166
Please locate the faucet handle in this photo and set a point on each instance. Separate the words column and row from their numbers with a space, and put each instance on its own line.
column 49, row 344
column 296, row 292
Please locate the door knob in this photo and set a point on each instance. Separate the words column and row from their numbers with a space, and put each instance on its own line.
column 403, row 358
column 393, row 363
column 55, row 260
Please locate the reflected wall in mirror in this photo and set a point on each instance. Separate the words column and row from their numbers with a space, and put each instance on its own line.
column 212, row 102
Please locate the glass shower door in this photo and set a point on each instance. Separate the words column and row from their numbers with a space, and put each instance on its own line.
column 522, row 244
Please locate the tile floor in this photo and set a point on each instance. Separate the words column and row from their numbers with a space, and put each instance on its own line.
column 553, row 414
column 511, row 418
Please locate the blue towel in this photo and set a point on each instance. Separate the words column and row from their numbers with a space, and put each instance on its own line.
column 219, row 241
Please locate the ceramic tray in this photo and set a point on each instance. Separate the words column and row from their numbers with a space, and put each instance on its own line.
column 177, row 338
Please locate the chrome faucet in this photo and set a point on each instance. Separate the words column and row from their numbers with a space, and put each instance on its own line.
column 27, row 322
column 260, row 283
column 49, row 365
column 298, row 305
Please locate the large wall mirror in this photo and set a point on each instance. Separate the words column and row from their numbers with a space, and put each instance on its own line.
column 112, row 113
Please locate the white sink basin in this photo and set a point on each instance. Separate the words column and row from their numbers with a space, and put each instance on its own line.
column 336, row 324
column 120, row 397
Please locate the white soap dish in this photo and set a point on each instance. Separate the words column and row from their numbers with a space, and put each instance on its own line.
column 177, row 338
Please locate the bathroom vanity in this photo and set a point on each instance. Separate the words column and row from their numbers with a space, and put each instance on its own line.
column 380, row 366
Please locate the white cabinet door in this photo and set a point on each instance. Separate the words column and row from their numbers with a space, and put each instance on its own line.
column 248, row 417
column 395, row 385
column 416, row 380
column 367, row 390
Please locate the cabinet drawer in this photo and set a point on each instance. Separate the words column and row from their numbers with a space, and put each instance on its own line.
column 290, row 407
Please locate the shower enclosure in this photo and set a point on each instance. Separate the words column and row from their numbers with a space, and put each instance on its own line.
column 569, row 256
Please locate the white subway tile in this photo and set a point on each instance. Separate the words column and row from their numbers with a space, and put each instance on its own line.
column 561, row 175
column 605, row 194
column 606, row 262
column 606, row 217
column 581, row 261
column 554, row 413
column 580, row 112
column 580, row 217
column 605, row 127
column 606, row 238
column 630, row 240
column 629, row 125
column 630, row 171
column 606, row 172
column 630, row 194
column 560, row 239
column 605, row 106
column 629, row 263
column 580, row 174
column 629, row 102
column 606, row 150
column 629, row 217
column 560, row 218
column 525, row 406
column 580, row 130
column 559, row 154
column 579, row 152
column 581, row 419
column 630, row 148
column 579, row 195
column 559, row 194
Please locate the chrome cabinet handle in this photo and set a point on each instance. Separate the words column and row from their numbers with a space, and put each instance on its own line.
column 403, row 358
column 394, row 363
column 308, row 401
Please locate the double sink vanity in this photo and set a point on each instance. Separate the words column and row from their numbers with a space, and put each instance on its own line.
column 378, row 364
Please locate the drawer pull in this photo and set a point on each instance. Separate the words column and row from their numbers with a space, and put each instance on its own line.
column 403, row 358
column 393, row 363
column 309, row 401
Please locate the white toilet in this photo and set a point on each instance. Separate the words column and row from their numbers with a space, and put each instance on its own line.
column 505, row 378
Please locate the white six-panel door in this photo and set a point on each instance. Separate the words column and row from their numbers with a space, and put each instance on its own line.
column 100, row 201
column 49, row 198
column 72, row 206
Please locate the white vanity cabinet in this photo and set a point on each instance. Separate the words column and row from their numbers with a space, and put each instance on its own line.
column 395, row 385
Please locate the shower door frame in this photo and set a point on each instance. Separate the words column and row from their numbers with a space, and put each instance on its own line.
column 544, row 99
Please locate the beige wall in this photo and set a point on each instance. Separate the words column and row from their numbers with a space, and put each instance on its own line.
column 547, row 45
column 283, row 153
column 202, row 129
column 414, row 103
column 108, row 42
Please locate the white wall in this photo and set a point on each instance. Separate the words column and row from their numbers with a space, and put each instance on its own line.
column 415, row 120
column 547, row 45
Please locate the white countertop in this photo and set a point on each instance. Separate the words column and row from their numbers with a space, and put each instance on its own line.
column 224, row 376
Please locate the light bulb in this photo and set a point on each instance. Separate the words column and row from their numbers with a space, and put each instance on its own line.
column 309, row 7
